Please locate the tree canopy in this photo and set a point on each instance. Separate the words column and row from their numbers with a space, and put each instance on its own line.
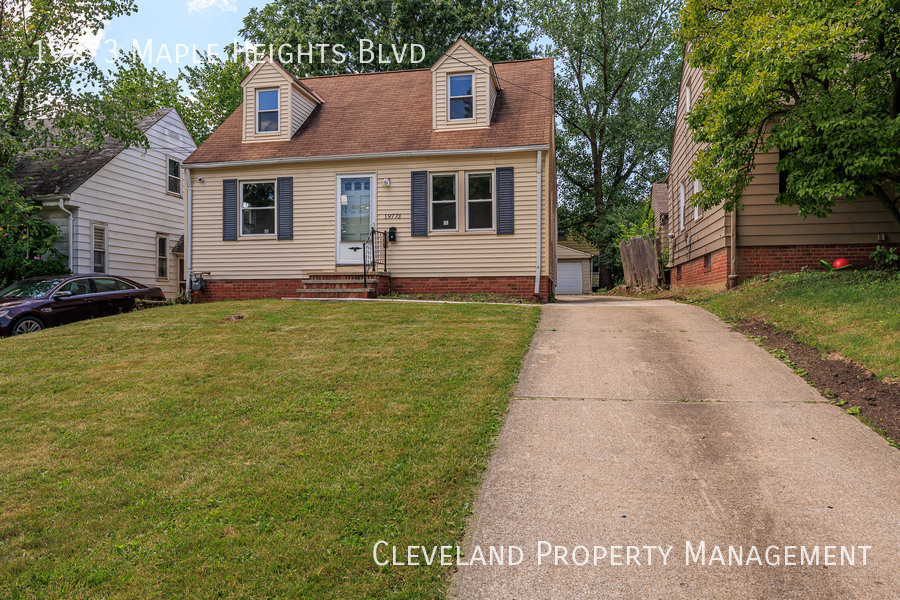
column 618, row 69
column 493, row 26
column 818, row 80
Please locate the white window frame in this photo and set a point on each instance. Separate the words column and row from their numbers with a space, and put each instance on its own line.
column 164, row 257
column 241, row 209
column 431, row 177
column 105, row 250
column 697, row 214
column 687, row 99
column 277, row 111
column 470, row 74
column 170, row 177
column 681, row 204
column 493, row 201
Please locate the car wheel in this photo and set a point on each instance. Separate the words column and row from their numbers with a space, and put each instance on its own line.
column 27, row 325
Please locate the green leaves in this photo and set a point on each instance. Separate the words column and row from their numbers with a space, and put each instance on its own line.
column 817, row 79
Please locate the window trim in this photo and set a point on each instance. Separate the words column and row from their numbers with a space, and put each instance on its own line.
column 241, row 209
column 105, row 228
column 450, row 98
column 431, row 176
column 697, row 214
column 277, row 111
column 681, row 192
column 165, row 257
column 169, row 177
column 687, row 99
column 493, row 201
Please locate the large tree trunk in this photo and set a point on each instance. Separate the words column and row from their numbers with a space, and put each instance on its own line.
column 606, row 280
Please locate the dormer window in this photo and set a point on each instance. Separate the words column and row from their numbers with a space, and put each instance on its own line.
column 462, row 99
column 267, row 111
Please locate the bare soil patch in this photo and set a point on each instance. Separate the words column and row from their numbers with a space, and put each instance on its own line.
column 836, row 377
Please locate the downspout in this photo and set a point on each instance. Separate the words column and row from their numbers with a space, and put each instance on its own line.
column 540, row 208
column 187, row 234
column 71, row 232
column 732, row 276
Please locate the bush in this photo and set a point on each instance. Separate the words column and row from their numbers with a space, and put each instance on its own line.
column 26, row 240
column 886, row 258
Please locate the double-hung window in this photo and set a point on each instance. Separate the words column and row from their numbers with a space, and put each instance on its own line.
column 173, row 177
column 461, row 97
column 99, row 247
column 443, row 202
column 697, row 190
column 479, row 201
column 258, row 208
column 267, row 111
column 681, row 201
column 162, row 257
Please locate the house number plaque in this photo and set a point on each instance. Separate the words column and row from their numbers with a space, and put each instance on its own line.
column 392, row 216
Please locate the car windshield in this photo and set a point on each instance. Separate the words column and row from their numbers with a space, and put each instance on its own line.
column 29, row 288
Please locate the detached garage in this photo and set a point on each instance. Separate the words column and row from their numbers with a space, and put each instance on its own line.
column 573, row 271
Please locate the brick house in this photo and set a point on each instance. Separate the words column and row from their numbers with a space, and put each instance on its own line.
column 437, row 180
column 715, row 249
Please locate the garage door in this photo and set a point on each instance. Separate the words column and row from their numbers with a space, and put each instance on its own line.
column 569, row 275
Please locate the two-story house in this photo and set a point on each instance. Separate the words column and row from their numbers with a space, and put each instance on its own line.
column 718, row 249
column 442, row 180
column 120, row 210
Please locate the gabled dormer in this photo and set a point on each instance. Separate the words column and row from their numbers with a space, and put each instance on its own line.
column 275, row 103
column 465, row 88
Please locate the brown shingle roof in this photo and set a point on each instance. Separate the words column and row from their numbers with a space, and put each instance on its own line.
column 391, row 112
column 68, row 172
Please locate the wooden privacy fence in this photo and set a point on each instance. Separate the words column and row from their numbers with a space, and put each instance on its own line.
column 641, row 262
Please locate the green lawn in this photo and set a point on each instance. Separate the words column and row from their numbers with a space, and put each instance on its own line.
column 173, row 454
column 856, row 313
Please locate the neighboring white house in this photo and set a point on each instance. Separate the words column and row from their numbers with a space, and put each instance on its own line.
column 120, row 211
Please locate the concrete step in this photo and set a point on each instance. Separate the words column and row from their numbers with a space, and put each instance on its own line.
column 338, row 282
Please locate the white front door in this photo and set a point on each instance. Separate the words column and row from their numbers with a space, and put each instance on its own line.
column 355, row 216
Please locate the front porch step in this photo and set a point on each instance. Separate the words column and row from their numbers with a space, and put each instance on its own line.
column 347, row 282
column 336, row 292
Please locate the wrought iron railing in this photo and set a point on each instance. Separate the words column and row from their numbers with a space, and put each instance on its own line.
column 374, row 254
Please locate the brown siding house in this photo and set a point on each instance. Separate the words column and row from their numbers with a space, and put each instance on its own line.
column 715, row 249
column 449, row 171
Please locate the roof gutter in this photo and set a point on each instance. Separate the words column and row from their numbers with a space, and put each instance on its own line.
column 399, row 154
column 540, row 208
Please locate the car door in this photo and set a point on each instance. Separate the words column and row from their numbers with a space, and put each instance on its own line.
column 76, row 303
column 109, row 296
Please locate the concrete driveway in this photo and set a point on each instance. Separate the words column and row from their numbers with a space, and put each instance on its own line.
column 650, row 424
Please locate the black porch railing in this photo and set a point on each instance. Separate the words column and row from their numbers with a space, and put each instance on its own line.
column 374, row 254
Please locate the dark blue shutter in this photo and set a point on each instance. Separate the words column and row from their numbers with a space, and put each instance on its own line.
column 505, row 201
column 419, row 203
column 285, row 209
column 229, row 210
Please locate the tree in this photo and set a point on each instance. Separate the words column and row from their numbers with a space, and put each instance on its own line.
column 618, row 73
column 26, row 240
column 816, row 79
column 493, row 26
column 49, row 85
column 214, row 92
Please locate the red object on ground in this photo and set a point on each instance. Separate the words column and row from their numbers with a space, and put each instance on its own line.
column 841, row 263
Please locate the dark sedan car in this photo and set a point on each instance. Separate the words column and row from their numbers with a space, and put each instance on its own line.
column 38, row 302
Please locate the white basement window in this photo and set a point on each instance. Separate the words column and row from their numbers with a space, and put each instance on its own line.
column 267, row 111
column 443, row 202
column 173, row 177
column 479, row 201
column 461, row 97
column 258, row 208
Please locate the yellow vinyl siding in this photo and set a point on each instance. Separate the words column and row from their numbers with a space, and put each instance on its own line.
column 443, row 254
column 764, row 223
column 708, row 233
column 301, row 107
column 461, row 61
column 267, row 78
